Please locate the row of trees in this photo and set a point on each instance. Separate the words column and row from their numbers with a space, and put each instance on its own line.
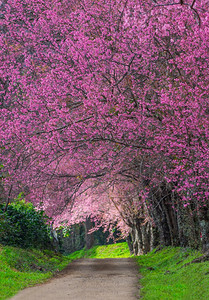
column 104, row 113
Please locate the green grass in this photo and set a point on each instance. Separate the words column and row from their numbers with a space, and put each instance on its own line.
column 107, row 251
column 21, row 268
column 164, row 276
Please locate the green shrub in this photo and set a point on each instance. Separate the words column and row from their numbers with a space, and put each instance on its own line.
column 21, row 225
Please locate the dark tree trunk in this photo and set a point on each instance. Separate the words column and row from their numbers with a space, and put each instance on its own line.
column 176, row 225
column 204, row 228
column 8, row 198
column 89, row 237
column 130, row 244
column 164, row 216
column 188, row 226
column 167, row 222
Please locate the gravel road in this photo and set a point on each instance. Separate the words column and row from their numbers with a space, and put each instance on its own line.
column 89, row 279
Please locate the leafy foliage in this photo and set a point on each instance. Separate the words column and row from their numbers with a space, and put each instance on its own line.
column 22, row 225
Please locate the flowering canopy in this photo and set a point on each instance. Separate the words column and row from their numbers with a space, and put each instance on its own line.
column 103, row 95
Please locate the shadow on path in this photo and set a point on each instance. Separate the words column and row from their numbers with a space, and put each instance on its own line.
column 89, row 279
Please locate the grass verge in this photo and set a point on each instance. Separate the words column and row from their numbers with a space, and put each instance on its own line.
column 107, row 251
column 164, row 276
column 20, row 268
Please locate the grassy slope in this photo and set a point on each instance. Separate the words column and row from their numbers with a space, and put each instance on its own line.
column 164, row 275
column 22, row 268
column 166, row 278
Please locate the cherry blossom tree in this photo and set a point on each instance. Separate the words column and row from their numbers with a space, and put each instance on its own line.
column 104, row 108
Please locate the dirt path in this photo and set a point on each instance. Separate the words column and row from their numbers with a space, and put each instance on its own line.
column 89, row 279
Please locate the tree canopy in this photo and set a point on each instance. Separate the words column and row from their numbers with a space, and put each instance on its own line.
column 104, row 108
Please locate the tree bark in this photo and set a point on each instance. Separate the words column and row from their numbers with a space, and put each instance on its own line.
column 141, row 237
column 204, row 228
column 89, row 237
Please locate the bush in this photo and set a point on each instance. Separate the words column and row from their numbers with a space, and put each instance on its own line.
column 21, row 225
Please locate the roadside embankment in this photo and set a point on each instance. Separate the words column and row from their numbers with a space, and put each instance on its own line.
column 173, row 274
